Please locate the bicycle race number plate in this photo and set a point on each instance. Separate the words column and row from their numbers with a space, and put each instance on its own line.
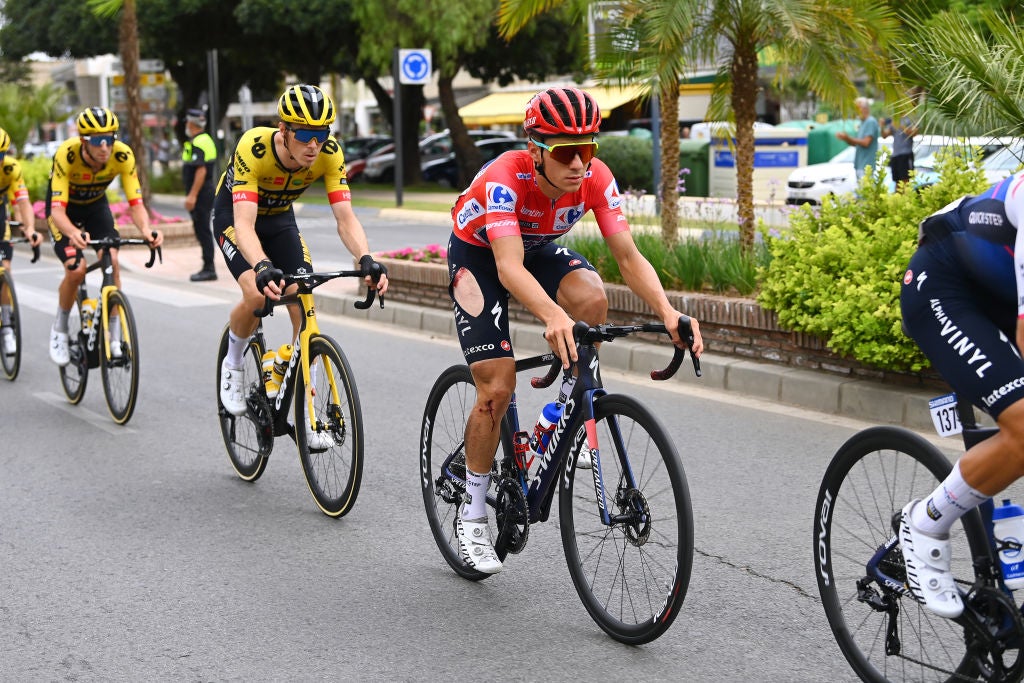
column 944, row 415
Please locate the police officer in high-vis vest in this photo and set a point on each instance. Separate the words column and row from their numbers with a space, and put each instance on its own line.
column 199, row 156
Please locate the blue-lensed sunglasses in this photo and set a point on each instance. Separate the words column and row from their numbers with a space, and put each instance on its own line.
column 304, row 135
column 97, row 140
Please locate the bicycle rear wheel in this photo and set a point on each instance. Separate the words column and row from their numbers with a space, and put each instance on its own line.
column 11, row 362
column 120, row 372
column 443, row 462
column 632, row 576
column 75, row 375
column 332, row 456
column 248, row 438
column 872, row 476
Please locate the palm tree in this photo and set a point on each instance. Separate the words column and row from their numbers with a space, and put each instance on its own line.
column 128, row 44
column 971, row 73
column 827, row 41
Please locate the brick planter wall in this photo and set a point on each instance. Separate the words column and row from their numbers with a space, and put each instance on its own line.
column 730, row 326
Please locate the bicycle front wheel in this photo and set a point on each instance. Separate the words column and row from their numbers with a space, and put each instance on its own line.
column 75, row 375
column 248, row 438
column 332, row 451
column 120, row 372
column 631, row 575
column 443, row 462
column 872, row 476
column 10, row 358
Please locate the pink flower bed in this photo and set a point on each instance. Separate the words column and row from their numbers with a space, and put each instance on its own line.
column 432, row 253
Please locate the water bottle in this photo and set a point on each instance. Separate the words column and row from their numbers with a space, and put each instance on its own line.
column 545, row 426
column 89, row 326
column 268, row 373
column 1008, row 525
column 281, row 359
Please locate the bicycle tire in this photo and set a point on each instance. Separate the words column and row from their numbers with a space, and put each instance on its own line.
column 870, row 478
column 74, row 376
column 120, row 374
column 249, row 438
column 11, row 363
column 333, row 474
column 442, row 433
column 632, row 577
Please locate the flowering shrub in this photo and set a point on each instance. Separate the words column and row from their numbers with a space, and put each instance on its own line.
column 122, row 216
column 432, row 253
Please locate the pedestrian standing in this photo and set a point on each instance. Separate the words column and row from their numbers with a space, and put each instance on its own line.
column 199, row 157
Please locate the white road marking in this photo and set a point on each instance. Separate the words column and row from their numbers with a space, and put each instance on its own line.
column 84, row 414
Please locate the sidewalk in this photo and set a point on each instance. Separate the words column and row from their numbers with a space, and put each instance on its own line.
column 819, row 391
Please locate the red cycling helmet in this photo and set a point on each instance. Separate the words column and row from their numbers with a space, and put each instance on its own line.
column 562, row 111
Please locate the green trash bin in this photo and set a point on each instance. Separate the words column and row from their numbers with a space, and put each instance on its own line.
column 822, row 143
column 695, row 156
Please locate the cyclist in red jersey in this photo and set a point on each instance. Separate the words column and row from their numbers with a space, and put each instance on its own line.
column 502, row 244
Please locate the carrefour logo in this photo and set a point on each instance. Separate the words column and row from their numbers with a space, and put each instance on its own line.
column 469, row 211
column 500, row 197
column 567, row 216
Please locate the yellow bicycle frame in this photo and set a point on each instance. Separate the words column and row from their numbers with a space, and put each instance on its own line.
column 307, row 330
column 104, row 301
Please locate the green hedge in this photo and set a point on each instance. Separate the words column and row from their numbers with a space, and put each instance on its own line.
column 837, row 274
column 37, row 176
column 631, row 160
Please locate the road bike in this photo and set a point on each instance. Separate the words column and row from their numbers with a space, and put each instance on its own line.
column 11, row 362
column 627, row 531
column 884, row 633
column 318, row 384
column 102, row 333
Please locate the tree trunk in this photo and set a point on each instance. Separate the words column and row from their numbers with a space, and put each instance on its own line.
column 467, row 156
column 129, row 44
column 412, row 115
column 744, row 104
column 668, row 101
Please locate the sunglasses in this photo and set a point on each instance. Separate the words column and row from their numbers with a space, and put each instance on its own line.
column 565, row 153
column 97, row 140
column 304, row 135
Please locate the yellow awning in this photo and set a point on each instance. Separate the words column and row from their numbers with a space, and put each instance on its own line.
column 509, row 107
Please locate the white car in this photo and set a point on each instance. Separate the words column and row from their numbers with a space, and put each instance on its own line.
column 999, row 159
column 811, row 184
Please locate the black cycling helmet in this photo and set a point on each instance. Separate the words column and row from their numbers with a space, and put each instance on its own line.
column 306, row 105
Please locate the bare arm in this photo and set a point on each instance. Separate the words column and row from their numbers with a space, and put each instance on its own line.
column 140, row 217
column 508, row 257
column 193, row 192
column 353, row 236
column 27, row 216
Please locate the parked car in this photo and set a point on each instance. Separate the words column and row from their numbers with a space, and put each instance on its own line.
column 356, row 169
column 362, row 147
column 381, row 168
column 999, row 159
column 39, row 149
column 446, row 171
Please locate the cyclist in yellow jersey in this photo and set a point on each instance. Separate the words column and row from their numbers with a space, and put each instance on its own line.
column 12, row 189
column 77, row 208
column 254, row 223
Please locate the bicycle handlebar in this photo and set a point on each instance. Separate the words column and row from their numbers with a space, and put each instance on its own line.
column 585, row 334
column 309, row 281
column 24, row 240
column 117, row 242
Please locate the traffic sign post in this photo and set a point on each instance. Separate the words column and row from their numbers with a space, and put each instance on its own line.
column 412, row 67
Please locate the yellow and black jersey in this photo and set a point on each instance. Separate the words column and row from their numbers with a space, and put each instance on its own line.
column 12, row 182
column 73, row 181
column 255, row 174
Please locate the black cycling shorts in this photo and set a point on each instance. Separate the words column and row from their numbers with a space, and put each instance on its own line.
column 483, row 331
column 94, row 218
column 966, row 331
column 278, row 234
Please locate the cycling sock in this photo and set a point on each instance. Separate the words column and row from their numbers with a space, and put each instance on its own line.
column 949, row 502
column 236, row 350
column 5, row 315
column 61, row 323
column 115, row 330
column 475, row 505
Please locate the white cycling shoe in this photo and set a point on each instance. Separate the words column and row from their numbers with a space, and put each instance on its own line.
column 232, row 389
column 7, row 340
column 928, row 574
column 60, row 352
column 475, row 545
column 318, row 442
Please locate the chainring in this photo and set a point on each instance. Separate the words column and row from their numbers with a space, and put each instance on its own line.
column 995, row 635
column 512, row 516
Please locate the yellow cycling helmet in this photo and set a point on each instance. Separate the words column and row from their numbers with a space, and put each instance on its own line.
column 307, row 105
column 5, row 141
column 96, row 121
